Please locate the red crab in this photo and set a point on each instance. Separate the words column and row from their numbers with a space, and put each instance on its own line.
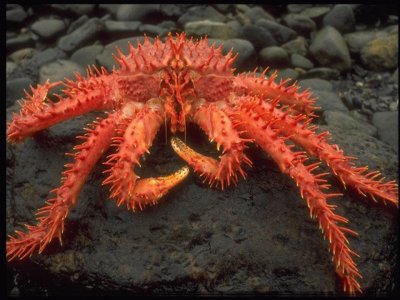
column 176, row 82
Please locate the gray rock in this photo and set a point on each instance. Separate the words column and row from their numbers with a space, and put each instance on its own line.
column 81, row 36
column 357, row 40
column 21, row 41
column 316, row 84
column 198, row 13
column 105, row 57
column 340, row 17
column 322, row 73
column 169, row 25
column 297, row 46
column 217, row 30
column 47, row 56
column 257, row 13
column 174, row 11
column 87, row 55
column 315, row 13
column 223, row 8
column 76, row 9
column 258, row 36
column 329, row 101
column 112, row 9
column 26, row 53
column 137, row 12
column 287, row 73
column 281, row 34
column 395, row 76
column 388, row 127
column 296, row 8
column 381, row 53
column 10, row 67
column 122, row 27
column 30, row 68
column 58, row 70
column 16, row 15
column 235, row 26
column 48, row 28
column 153, row 30
column 77, row 23
column 300, row 62
column 15, row 89
column 274, row 57
column 345, row 121
column 330, row 50
column 303, row 25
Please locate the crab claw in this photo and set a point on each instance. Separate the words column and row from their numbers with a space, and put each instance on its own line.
column 150, row 190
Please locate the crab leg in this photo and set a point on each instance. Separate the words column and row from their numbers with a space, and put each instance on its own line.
column 84, row 95
column 218, row 127
column 249, row 84
column 51, row 217
column 136, row 136
column 291, row 163
column 316, row 145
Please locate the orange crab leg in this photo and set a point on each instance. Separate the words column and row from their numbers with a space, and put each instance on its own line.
column 51, row 217
column 301, row 102
column 291, row 163
column 317, row 146
column 136, row 137
column 219, row 128
column 38, row 112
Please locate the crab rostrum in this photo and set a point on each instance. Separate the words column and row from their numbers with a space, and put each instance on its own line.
column 176, row 82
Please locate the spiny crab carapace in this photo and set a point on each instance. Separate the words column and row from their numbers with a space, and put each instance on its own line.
column 173, row 83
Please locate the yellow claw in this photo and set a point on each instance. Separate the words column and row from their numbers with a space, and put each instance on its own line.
column 201, row 164
column 149, row 190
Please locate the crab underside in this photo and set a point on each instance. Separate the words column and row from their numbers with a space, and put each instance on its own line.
column 176, row 82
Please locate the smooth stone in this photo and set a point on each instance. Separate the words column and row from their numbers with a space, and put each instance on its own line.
column 316, row 84
column 49, row 28
column 300, row 61
column 81, row 36
column 340, row 17
column 258, row 36
column 345, row 121
column 330, row 50
column 388, row 127
column 275, row 57
column 199, row 13
column 281, row 34
column 86, row 56
column 322, row 73
column 303, row 25
column 59, row 70
column 137, row 12
column 76, row 9
column 15, row 89
column 216, row 30
column 297, row 46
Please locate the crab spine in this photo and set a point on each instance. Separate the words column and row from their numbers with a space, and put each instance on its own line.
column 38, row 112
column 316, row 145
column 291, row 163
column 135, row 138
column 51, row 217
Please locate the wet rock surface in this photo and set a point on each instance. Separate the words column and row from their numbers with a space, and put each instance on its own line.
column 255, row 238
